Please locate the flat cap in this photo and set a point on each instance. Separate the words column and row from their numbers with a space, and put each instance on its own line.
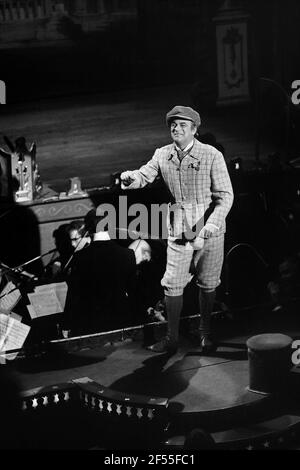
column 183, row 112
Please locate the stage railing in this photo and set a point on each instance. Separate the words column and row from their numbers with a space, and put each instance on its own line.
column 22, row 10
column 111, row 418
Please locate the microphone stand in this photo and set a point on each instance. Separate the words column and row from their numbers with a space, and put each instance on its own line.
column 18, row 271
column 21, row 266
column 14, row 275
column 19, row 275
column 15, row 272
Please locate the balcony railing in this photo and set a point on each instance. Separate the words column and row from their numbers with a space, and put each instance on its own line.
column 18, row 11
column 22, row 10
column 83, row 413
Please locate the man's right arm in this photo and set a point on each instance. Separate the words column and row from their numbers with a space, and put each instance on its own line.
column 139, row 178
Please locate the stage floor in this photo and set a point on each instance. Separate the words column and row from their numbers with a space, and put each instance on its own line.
column 203, row 391
column 191, row 381
column 127, row 366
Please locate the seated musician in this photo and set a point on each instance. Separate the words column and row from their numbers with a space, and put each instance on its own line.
column 102, row 281
column 68, row 239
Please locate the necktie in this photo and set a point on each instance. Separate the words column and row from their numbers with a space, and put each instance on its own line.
column 181, row 153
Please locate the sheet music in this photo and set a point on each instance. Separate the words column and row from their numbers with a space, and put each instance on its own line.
column 60, row 288
column 45, row 303
column 10, row 296
column 16, row 316
column 5, row 326
column 12, row 336
column 48, row 299
column 31, row 311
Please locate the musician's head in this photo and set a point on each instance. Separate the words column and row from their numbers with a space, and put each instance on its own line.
column 78, row 235
column 62, row 240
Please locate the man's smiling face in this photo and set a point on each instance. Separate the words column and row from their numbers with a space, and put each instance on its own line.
column 182, row 132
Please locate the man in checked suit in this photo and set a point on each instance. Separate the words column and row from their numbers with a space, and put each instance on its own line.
column 197, row 177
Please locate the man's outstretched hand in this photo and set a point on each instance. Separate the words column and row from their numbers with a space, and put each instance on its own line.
column 127, row 178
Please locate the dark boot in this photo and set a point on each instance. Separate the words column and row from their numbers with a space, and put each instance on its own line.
column 170, row 343
column 206, row 304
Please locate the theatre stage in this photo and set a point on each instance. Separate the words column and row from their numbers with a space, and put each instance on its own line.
column 91, row 137
column 203, row 391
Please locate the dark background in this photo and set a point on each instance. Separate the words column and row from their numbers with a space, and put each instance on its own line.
column 142, row 43
column 93, row 89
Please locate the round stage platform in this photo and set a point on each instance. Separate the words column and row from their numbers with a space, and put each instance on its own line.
column 217, row 387
column 191, row 390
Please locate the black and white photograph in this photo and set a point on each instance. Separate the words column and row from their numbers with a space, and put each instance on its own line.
column 150, row 227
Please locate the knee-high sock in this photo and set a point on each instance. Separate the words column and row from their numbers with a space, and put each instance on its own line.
column 173, row 307
column 206, row 304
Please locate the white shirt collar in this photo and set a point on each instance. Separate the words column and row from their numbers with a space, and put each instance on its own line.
column 103, row 236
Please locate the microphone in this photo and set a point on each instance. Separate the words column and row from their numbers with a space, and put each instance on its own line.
column 25, row 274
column 17, row 271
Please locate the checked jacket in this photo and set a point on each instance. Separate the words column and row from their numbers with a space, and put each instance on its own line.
column 199, row 183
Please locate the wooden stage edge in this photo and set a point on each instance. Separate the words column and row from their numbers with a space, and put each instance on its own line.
column 76, row 343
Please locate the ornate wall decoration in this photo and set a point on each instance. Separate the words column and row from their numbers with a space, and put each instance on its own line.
column 232, row 57
column 62, row 210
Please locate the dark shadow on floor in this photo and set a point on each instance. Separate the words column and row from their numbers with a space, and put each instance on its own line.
column 153, row 379
column 61, row 361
